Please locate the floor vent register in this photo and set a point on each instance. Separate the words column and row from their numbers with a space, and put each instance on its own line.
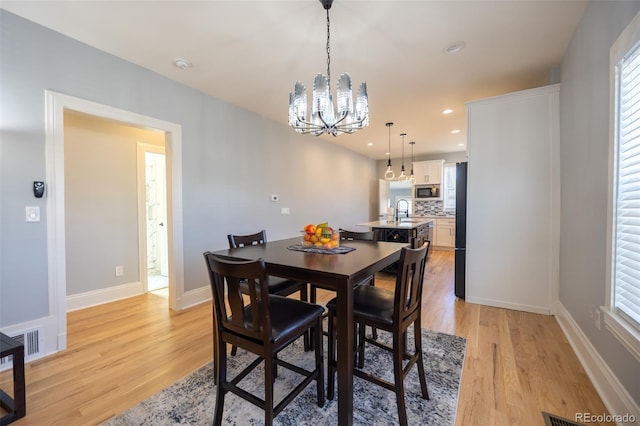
column 552, row 420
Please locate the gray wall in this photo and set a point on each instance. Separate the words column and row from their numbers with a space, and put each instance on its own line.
column 232, row 160
column 584, row 135
column 101, row 201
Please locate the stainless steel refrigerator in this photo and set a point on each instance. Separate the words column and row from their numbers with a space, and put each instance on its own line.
column 461, row 229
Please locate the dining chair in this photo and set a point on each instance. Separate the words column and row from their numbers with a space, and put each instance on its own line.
column 262, row 324
column 392, row 311
column 346, row 235
column 275, row 285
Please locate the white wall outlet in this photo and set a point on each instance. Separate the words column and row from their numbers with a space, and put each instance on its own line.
column 284, row 210
column 274, row 197
column 32, row 214
column 597, row 318
column 119, row 271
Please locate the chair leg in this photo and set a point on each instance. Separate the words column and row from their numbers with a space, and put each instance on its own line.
column 308, row 335
column 234, row 350
column 423, row 377
column 269, row 377
column 361, row 343
column 374, row 331
column 331, row 358
column 220, row 379
column 319, row 362
column 398, row 352
column 312, row 293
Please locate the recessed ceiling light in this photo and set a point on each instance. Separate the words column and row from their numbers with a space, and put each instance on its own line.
column 455, row 47
column 454, row 131
column 447, row 111
column 182, row 63
column 370, row 144
column 460, row 144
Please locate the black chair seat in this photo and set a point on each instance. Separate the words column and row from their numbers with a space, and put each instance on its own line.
column 263, row 324
column 275, row 285
column 374, row 305
column 278, row 286
column 283, row 286
column 288, row 316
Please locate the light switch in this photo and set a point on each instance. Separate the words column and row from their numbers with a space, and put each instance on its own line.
column 284, row 210
column 32, row 214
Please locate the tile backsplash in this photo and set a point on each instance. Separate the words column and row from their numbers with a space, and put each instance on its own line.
column 431, row 208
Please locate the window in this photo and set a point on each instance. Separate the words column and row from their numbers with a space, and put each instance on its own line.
column 449, row 186
column 626, row 297
column 622, row 316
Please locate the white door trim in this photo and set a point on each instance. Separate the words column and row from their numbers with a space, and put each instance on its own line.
column 55, row 104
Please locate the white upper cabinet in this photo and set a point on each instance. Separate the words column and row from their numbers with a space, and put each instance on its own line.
column 428, row 171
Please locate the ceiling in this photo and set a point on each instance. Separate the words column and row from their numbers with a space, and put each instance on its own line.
column 250, row 53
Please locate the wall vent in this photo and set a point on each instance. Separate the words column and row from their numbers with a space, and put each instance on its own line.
column 31, row 341
column 553, row 420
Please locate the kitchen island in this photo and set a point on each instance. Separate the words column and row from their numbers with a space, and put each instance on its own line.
column 414, row 231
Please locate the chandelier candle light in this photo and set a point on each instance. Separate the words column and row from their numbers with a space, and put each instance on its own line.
column 346, row 118
column 389, row 175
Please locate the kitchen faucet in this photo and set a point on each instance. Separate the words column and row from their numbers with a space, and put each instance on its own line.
column 398, row 211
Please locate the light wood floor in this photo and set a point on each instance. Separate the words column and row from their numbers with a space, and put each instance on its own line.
column 517, row 364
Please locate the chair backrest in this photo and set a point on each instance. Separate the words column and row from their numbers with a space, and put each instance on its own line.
column 236, row 241
column 356, row 235
column 249, row 316
column 409, row 281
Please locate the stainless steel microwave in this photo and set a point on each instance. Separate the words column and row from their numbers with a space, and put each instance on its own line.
column 426, row 192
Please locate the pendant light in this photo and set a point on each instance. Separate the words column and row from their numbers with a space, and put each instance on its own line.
column 412, row 177
column 389, row 175
column 403, row 177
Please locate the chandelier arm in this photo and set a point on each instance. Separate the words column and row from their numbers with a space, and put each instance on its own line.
column 350, row 124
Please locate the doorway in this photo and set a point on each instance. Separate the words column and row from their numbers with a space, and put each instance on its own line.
column 152, row 210
column 56, row 103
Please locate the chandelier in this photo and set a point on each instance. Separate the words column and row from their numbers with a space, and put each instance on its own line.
column 345, row 117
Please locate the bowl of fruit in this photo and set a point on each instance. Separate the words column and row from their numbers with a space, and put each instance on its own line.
column 321, row 236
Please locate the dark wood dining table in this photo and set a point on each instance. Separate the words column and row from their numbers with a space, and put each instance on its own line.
column 337, row 272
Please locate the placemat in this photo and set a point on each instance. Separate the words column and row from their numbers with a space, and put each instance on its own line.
column 314, row 249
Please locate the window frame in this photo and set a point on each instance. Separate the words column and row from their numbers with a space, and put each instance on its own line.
column 625, row 331
column 447, row 184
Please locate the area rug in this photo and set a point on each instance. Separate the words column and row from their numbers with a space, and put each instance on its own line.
column 191, row 401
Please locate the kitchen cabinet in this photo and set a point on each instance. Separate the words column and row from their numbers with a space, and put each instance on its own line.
column 414, row 232
column 428, row 171
column 445, row 234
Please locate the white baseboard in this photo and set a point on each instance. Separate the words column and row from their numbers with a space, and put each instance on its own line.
column 508, row 305
column 103, row 295
column 195, row 297
column 613, row 394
